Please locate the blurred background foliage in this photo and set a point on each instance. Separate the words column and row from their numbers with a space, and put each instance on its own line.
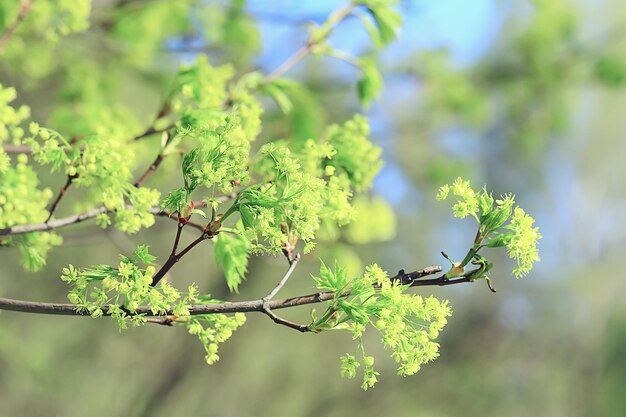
column 525, row 96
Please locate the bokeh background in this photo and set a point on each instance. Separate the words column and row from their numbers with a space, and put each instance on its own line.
column 525, row 96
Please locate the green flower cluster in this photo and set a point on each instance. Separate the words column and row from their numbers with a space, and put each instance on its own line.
column 201, row 90
column 101, row 164
column 220, row 123
column 522, row 245
column 286, row 207
column 21, row 201
column 221, row 157
column 355, row 154
column 408, row 323
column 11, row 119
column 518, row 236
column 313, row 184
column 213, row 329
column 121, row 291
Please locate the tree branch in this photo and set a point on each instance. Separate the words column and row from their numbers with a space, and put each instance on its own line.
column 90, row 214
column 229, row 307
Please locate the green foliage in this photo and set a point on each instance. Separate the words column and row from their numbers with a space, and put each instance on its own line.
column 21, row 200
column 221, row 157
column 279, row 90
column 122, row 290
column 611, row 70
column 371, row 84
column 408, row 324
column 101, row 164
column 518, row 236
column 387, row 21
column 355, row 155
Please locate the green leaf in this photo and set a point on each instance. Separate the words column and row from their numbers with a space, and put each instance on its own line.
column 278, row 90
column 176, row 200
column 370, row 85
column 142, row 254
column 329, row 280
column 372, row 30
column 188, row 166
column 199, row 212
column 247, row 216
column 485, row 203
column 231, row 254
column 388, row 22
column 499, row 240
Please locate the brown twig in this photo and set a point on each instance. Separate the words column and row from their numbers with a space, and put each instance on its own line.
column 25, row 6
column 151, row 169
column 60, row 195
column 151, row 130
column 174, row 258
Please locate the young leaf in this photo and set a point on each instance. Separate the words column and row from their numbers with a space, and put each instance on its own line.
column 278, row 90
column 142, row 254
column 388, row 22
column 370, row 85
column 231, row 254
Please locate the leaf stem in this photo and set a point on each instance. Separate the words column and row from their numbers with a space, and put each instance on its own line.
column 324, row 31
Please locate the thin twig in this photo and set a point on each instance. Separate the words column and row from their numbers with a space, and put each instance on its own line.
column 164, row 110
column 289, row 62
column 25, row 6
column 279, row 320
column 151, row 130
column 179, row 229
column 163, row 321
column 333, row 20
column 151, row 169
column 60, row 195
column 266, row 300
column 283, row 281
column 174, row 258
column 90, row 214
column 9, row 148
